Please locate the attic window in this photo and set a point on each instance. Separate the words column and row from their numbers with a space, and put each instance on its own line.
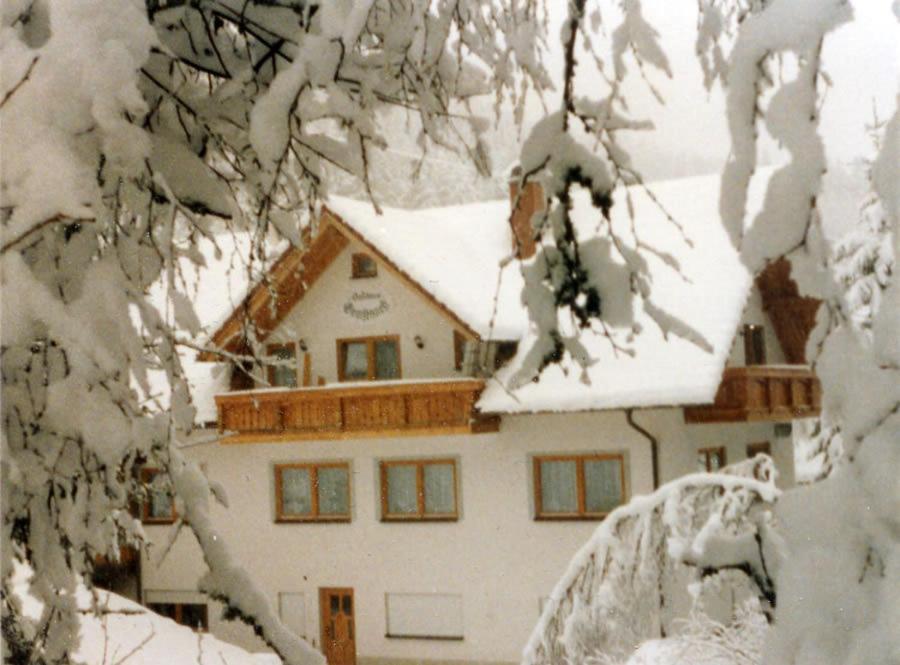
column 754, row 345
column 364, row 266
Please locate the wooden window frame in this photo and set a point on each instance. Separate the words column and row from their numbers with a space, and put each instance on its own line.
column 420, row 515
column 314, row 516
column 147, row 476
column 580, row 492
column 707, row 452
column 370, row 355
column 179, row 614
column 357, row 261
column 271, row 350
column 757, row 447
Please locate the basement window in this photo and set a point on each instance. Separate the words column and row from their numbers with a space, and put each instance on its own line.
column 192, row 615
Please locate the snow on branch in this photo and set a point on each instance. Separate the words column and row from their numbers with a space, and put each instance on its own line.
column 619, row 587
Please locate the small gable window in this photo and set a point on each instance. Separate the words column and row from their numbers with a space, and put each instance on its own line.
column 282, row 365
column 754, row 345
column 368, row 359
column 364, row 266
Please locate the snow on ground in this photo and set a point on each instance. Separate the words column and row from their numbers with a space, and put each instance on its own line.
column 115, row 630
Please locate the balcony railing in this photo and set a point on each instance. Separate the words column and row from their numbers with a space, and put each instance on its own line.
column 357, row 410
column 761, row 393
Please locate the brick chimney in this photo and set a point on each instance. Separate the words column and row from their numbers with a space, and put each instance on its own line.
column 531, row 202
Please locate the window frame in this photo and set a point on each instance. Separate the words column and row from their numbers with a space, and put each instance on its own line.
column 759, row 447
column 147, row 478
column 706, row 452
column 179, row 614
column 271, row 350
column 420, row 515
column 370, row 356
column 580, row 490
column 286, row 518
column 459, row 350
column 356, row 263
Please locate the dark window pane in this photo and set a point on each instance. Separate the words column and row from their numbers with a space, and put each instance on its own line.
column 401, row 490
column 335, row 604
column 356, row 361
column 193, row 615
column 333, row 491
column 602, row 485
column 296, row 494
column 163, row 609
column 387, row 364
column 348, row 605
column 559, row 489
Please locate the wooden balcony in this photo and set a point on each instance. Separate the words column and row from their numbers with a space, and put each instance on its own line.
column 775, row 393
column 375, row 409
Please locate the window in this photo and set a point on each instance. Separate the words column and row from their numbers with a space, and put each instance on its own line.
column 418, row 490
column 710, row 459
column 364, row 266
column 459, row 350
column 578, row 486
column 754, row 345
column 283, row 367
column 368, row 358
column 158, row 507
column 433, row 616
column 192, row 615
column 759, row 448
column 312, row 492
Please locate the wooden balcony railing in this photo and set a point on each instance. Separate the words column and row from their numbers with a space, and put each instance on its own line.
column 760, row 393
column 345, row 411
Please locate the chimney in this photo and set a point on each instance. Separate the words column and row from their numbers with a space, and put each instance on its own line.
column 531, row 202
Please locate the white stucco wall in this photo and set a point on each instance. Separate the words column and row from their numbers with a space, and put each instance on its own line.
column 496, row 555
column 320, row 319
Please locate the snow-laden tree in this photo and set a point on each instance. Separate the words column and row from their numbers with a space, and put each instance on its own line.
column 836, row 575
column 128, row 131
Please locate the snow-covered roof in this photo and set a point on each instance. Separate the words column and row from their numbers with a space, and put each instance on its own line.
column 459, row 255
column 708, row 293
column 454, row 253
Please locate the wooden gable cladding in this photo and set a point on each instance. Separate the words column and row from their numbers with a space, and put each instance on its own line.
column 761, row 393
column 351, row 411
column 792, row 315
column 289, row 279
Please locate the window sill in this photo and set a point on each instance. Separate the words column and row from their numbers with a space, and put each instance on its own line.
column 593, row 517
column 418, row 518
column 313, row 520
column 157, row 521
column 442, row 638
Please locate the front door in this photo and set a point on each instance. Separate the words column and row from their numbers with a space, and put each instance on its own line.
column 338, row 631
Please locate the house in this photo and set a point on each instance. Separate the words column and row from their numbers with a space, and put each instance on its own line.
column 396, row 500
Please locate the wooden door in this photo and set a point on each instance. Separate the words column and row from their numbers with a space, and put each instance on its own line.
column 338, row 629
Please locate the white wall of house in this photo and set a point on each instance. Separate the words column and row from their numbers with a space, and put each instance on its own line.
column 496, row 557
column 335, row 308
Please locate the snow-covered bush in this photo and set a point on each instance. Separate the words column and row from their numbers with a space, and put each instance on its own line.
column 628, row 583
